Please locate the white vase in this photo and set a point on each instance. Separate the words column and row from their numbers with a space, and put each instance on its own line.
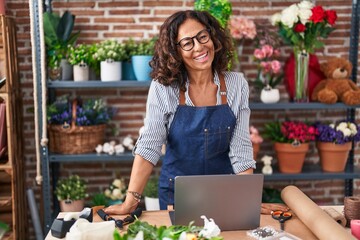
column 110, row 71
column 270, row 95
column 152, row 204
column 81, row 72
column 72, row 205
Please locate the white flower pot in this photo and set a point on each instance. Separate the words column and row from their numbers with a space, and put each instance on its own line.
column 270, row 95
column 81, row 72
column 152, row 204
column 110, row 71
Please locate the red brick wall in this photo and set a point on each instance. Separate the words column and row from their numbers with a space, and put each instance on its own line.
column 99, row 20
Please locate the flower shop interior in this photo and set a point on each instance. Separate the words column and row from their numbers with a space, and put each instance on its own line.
column 292, row 54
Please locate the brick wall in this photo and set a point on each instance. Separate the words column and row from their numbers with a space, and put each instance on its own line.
column 100, row 20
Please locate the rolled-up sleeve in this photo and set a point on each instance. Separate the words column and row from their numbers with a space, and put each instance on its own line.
column 241, row 151
column 154, row 134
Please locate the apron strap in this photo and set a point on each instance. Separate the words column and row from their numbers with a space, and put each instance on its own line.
column 222, row 92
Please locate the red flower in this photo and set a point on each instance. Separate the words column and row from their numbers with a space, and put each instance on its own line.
column 299, row 27
column 318, row 14
column 331, row 16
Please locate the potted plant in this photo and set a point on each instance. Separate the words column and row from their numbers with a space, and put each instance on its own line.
column 79, row 58
column 219, row 9
column 71, row 192
column 291, row 143
column 127, row 69
column 266, row 55
column 151, row 194
column 73, row 123
column 142, row 55
column 256, row 140
column 334, row 142
column 58, row 36
column 116, row 191
column 110, row 54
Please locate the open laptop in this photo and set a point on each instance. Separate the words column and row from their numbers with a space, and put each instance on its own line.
column 233, row 201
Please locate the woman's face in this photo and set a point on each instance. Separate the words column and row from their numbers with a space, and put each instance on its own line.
column 195, row 38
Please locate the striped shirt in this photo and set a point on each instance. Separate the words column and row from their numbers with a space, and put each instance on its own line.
column 162, row 103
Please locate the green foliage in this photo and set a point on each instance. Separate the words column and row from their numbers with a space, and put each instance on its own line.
column 4, row 228
column 71, row 188
column 144, row 47
column 58, row 36
column 79, row 54
column 110, row 50
column 130, row 47
column 273, row 132
column 153, row 232
column 99, row 199
column 220, row 9
column 151, row 188
column 271, row 196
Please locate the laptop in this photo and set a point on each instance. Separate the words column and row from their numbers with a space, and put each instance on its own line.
column 233, row 201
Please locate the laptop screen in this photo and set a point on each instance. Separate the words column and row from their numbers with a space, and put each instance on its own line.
column 233, row 201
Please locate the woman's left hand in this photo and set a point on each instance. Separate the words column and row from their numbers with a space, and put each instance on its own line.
column 267, row 208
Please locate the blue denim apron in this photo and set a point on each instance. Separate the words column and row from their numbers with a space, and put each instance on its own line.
column 198, row 143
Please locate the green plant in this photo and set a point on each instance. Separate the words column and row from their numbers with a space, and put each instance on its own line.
column 99, row 199
column 130, row 47
column 220, row 9
column 151, row 188
column 58, row 36
column 71, row 188
column 4, row 228
column 144, row 47
column 110, row 50
column 79, row 54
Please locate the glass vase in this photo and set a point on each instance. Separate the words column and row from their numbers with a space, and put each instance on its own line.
column 301, row 76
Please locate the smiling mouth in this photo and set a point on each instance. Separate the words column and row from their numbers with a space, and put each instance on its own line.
column 202, row 57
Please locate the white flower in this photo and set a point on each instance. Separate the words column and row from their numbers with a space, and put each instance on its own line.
column 107, row 193
column 99, row 148
column 119, row 149
column 117, row 194
column 210, row 228
column 289, row 16
column 346, row 132
column 305, row 11
column 332, row 125
column 275, row 19
column 353, row 128
column 341, row 127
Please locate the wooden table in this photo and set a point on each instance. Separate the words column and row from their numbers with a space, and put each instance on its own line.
column 293, row 226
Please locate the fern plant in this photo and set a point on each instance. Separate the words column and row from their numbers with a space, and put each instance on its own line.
column 220, row 9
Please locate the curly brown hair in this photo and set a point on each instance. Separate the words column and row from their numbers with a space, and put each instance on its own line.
column 167, row 66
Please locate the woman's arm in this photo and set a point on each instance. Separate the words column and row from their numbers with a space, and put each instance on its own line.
column 141, row 170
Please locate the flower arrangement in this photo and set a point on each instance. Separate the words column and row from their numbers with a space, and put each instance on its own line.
column 110, row 50
column 255, row 135
column 116, row 190
column 302, row 25
column 79, row 54
column 338, row 133
column 266, row 56
column 242, row 28
column 290, row 132
column 71, row 188
column 88, row 112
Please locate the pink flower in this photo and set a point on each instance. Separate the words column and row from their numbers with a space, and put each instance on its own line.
column 259, row 54
column 241, row 27
column 275, row 66
column 268, row 50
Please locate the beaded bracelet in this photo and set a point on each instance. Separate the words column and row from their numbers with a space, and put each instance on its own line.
column 137, row 196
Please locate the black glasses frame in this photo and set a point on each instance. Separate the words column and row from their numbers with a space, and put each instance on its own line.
column 192, row 39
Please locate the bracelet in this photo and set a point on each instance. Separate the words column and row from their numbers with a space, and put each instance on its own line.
column 137, row 196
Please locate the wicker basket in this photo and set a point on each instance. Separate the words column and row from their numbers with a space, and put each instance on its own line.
column 75, row 139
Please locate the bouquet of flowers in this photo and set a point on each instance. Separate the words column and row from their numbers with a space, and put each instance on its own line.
column 301, row 25
column 290, row 132
column 266, row 56
column 242, row 28
column 116, row 190
column 338, row 133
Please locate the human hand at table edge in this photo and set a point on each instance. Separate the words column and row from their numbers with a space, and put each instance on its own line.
column 128, row 206
column 267, row 208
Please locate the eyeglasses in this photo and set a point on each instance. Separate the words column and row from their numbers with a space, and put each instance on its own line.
column 188, row 43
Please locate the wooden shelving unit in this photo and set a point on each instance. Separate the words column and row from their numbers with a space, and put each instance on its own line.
column 12, row 191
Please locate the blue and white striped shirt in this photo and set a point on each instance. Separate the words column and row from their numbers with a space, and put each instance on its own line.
column 162, row 103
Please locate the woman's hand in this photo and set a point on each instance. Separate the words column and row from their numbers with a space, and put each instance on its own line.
column 267, row 208
column 126, row 207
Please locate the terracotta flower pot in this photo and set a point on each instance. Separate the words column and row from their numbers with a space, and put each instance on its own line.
column 333, row 157
column 72, row 206
column 256, row 149
column 291, row 157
